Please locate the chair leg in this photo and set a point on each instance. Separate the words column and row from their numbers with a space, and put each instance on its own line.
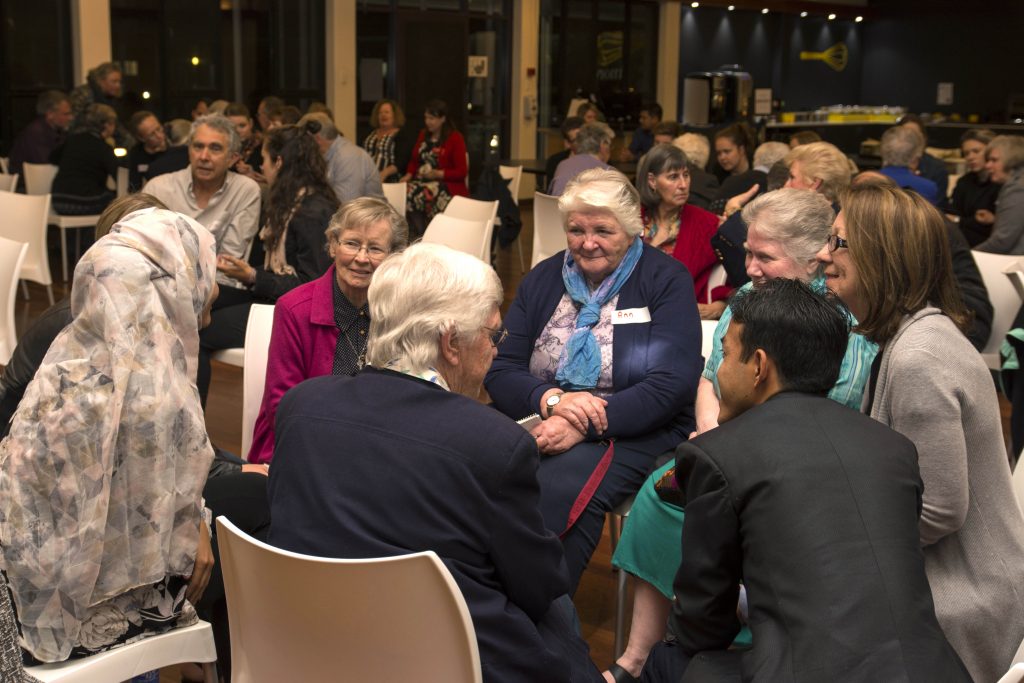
column 24, row 290
column 614, row 522
column 519, row 244
column 210, row 672
column 64, row 253
column 620, row 613
column 49, row 292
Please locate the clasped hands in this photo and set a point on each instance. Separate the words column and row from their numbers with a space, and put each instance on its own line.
column 236, row 268
column 569, row 421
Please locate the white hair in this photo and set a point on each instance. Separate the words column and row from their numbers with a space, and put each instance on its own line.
column 419, row 294
column 800, row 221
column 604, row 190
column 901, row 146
column 696, row 148
column 767, row 153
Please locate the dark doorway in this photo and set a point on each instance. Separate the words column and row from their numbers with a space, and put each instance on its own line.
column 432, row 51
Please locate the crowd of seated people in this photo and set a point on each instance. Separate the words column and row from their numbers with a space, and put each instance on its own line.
column 843, row 377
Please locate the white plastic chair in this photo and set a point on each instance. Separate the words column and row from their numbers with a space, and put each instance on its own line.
column 469, row 236
column 39, row 181
column 1014, row 675
column 8, row 182
column 716, row 279
column 1017, row 481
column 24, row 220
column 995, row 269
column 396, row 193
column 707, row 328
column 254, row 370
column 190, row 644
column 11, row 255
column 121, row 182
column 4, row 165
column 514, row 174
column 379, row 619
column 548, row 231
column 475, row 210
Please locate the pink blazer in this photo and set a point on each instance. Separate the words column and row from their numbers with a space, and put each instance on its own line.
column 301, row 346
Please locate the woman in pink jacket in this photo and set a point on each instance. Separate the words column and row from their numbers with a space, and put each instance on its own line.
column 320, row 328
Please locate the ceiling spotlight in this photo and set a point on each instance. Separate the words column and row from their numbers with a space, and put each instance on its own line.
column 803, row 14
column 831, row 17
column 732, row 7
column 764, row 11
column 694, row 5
column 145, row 94
column 859, row 19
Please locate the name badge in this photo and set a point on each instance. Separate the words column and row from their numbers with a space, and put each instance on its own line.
column 628, row 316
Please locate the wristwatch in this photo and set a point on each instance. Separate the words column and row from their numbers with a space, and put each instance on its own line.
column 552, row 402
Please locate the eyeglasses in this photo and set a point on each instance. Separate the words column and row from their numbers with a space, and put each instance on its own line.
column 352, row 248
column 497, row 335
column 836, row 242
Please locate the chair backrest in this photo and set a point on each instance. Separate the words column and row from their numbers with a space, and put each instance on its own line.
column 4, row 165
column 38, row 177
column 380, row 619
column 254, row 372
column 515, row 174
column 11, row 255
column 548, row 232
column 1001, row 292
column 1018, row 492
column 1014, row 675
column 121, row 181
column 707, row 329
column 470, row 236
column 8, row 182
column 24, row 220
column 471, row 209
column 716, row 279
column 396, row 193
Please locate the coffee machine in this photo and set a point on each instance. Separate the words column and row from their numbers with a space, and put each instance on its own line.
column 717, row 97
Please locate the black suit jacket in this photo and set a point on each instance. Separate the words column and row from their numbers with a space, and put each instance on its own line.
column 383, row 464
column 814, row 507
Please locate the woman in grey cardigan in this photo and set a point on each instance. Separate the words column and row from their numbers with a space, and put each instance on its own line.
column 1004, row 161
column 888, row 260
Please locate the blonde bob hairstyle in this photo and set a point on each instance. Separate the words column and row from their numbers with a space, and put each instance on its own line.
column 899, row 246
column 419, row 294
column 825, row 162
column 600, row 190
column 366, row 211
column 798, row 220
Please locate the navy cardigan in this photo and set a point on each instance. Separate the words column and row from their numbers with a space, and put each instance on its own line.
column 655, row 365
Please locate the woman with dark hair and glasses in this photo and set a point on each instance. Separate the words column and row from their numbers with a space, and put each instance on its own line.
column 438, row 167
column 299, row 205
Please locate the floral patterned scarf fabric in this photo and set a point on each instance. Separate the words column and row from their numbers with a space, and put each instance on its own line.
column 102, row 472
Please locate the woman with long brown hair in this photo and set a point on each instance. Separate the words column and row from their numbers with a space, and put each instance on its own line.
column 888, row 259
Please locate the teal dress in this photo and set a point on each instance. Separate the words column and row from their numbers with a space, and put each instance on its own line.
column 649, row 547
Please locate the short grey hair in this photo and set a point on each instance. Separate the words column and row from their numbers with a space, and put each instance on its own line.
column 800, row 221
column 328, row 131
column 367, row 211
column 590, row 137
column 767, row 153
column 50, row 100
column 696, row 148
column 419, row 294
column 659, row 159
column 221, row 124
column 1012, row 147
column 901, row 146
column 603, row 190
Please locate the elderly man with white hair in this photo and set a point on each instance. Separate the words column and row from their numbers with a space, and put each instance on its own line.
column 902, row 147
column 593, row 147
column 383, row 464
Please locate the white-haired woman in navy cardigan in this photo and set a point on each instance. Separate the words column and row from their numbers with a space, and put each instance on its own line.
column 604, row 344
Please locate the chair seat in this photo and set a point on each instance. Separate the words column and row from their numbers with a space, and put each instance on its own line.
column 73, row 221
column 190, row 644
column 234, row 356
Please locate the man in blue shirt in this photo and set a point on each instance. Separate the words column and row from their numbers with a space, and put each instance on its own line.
column 902, row 147
column 643, row 138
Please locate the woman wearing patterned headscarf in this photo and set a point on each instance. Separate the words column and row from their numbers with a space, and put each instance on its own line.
column 101, row 520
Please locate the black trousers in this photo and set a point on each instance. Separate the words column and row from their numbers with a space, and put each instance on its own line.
column 228, row 320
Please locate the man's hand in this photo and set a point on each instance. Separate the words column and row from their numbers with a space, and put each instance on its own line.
column 203, row 567
column 555, row 435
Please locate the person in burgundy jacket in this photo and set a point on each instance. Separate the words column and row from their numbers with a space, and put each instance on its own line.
column 320, row 328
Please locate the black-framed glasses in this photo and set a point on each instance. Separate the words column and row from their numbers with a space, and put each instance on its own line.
column 836, row 242
column 497, row 335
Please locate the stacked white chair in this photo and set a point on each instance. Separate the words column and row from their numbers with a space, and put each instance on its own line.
column 514, row 176
column 396, row 194
column 469, row 236
column 8, row 182
column 478, row 211
column 11, row 255
column 24, row 220
column 548, row 233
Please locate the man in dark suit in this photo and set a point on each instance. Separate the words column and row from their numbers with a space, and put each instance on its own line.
column 813, row 506
column 402, row 458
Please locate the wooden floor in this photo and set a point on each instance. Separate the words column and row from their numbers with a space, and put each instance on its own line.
column 595, row 598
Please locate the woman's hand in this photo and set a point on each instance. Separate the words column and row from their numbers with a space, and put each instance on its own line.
column 405, row 178
column 555, row 435
column 257, row 468
column 740, row 200
column 984, row 216
column 712, row 311
column 236, row 268
column 579, row 408
column 203, row 567
column 388, row 171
